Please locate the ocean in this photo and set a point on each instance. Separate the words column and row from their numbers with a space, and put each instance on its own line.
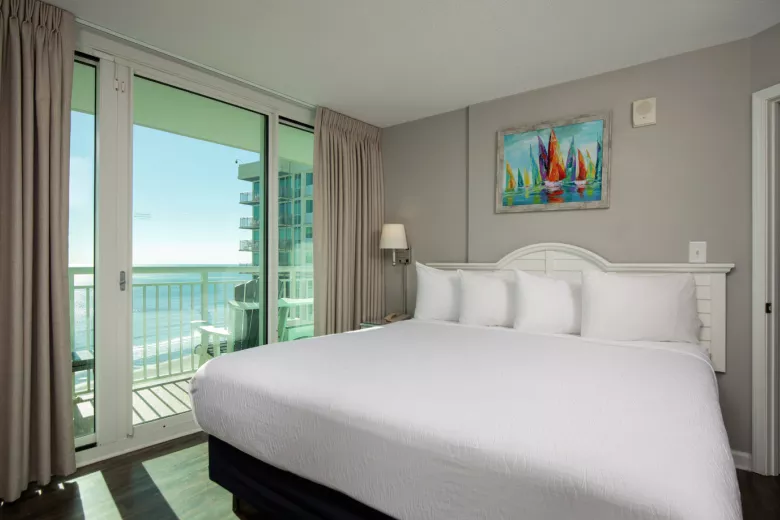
column 168, row 316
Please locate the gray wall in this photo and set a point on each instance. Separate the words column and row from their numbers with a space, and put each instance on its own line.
column 687, row 178
column 765, row 58
column 426, row 189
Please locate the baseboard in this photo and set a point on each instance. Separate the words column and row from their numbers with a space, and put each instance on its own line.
column 742, row 460
column 101, row 453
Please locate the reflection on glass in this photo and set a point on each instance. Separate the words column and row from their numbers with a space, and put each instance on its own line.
column 198, row 285
column 296, row 216
column 81, row 241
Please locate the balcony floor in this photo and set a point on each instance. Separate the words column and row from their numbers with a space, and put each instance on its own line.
column 150, row 402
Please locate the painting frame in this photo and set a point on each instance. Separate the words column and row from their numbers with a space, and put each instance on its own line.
column 605, row 179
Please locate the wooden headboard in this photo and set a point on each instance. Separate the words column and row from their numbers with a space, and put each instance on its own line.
column 567, row 262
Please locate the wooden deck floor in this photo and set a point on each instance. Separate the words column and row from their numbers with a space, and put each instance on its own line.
column 151, row 401
column 163, row 400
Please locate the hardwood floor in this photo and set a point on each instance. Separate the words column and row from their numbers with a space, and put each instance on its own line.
column 170, row 481
column 165, row 482
column 760, row 496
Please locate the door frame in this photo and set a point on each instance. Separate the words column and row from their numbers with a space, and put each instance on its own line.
column 118, row 62
column 765, row 456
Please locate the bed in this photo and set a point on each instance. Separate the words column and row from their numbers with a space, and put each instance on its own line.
column 437, row 420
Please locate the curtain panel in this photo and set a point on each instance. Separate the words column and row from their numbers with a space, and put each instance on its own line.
column 348, row 218
column 37, row 44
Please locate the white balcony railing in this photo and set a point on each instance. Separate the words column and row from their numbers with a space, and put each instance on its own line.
column 176, row 310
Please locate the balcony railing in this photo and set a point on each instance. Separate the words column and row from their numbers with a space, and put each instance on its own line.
column 177, row 309
column 249, row 245
column 286, row 192
column 249, row 223
column 285, row 219
column 250, row 198
column 181, row 316
column 171, row 305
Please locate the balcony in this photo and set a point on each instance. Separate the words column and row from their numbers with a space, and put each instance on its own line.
column 285, row 219
column 250, row 199
column 252, row 246
column 181, row 315
column 249, row 223
column 286, row 193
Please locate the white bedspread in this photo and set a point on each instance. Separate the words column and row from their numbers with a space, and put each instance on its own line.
column 429, row 420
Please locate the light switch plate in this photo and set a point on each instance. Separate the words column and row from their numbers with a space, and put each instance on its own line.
column 697, row 252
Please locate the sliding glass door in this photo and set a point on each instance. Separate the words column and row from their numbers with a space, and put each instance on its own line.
column 199, row 240
column 81, row 255
column 191, row 237
column 296, row 232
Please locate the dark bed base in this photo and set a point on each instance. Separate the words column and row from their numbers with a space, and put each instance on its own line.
column 277, row 494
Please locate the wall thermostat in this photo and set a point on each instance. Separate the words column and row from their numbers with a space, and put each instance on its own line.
column 643, row 112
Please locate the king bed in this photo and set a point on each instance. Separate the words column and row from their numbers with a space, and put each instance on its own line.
column 428, row 419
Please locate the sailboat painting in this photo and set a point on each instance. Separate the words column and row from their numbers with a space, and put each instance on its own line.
column 554, row 165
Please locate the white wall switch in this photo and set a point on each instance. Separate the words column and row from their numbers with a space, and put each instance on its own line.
column 697, row 252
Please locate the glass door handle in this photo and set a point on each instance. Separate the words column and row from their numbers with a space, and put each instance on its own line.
column 122, row 280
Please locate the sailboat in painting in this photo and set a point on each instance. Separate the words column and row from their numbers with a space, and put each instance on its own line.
column 554, row 164
column 511, row 184
column 556, row 173
column 582, row 170
column 537, row 176
column 571, row 161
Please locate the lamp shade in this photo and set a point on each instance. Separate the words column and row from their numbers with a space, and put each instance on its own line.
column 393, row 237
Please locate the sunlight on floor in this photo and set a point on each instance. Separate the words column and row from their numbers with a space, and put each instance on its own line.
column 97, row 502
column 181, row 478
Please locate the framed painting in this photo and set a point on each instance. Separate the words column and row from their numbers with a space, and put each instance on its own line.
column 554, row 165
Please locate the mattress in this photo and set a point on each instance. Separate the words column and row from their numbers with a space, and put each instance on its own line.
column 425, row 420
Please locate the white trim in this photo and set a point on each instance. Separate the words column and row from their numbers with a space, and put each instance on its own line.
column 138, row 442
column 592, row 257
column 200, row 80
column 765, row 377
column 568, row 262
column 193, row 63
column 123, row 381
column 272, row 221
column 107, row 257
column 742, row 460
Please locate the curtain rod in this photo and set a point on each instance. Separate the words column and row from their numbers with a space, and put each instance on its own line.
column 193, row 63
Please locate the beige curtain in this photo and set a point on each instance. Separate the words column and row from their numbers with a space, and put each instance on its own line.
column 348, row 217
column 36, row 74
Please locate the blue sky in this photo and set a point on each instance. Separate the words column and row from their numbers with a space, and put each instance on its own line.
column 516, row 151
column 185, row 198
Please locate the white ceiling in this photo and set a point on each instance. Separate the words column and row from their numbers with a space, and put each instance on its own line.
column 390, row 61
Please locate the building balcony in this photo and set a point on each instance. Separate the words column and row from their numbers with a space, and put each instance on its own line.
column 249, row 198
column 286, row 193
column 285, row 219
column 252, row 246
column 249, row 223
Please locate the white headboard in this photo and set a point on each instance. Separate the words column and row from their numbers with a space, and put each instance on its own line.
column 568, row 262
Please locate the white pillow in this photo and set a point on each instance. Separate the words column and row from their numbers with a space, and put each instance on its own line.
column 487, row 298
column 640, row 308
column 438, row 294
column 546, row 305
